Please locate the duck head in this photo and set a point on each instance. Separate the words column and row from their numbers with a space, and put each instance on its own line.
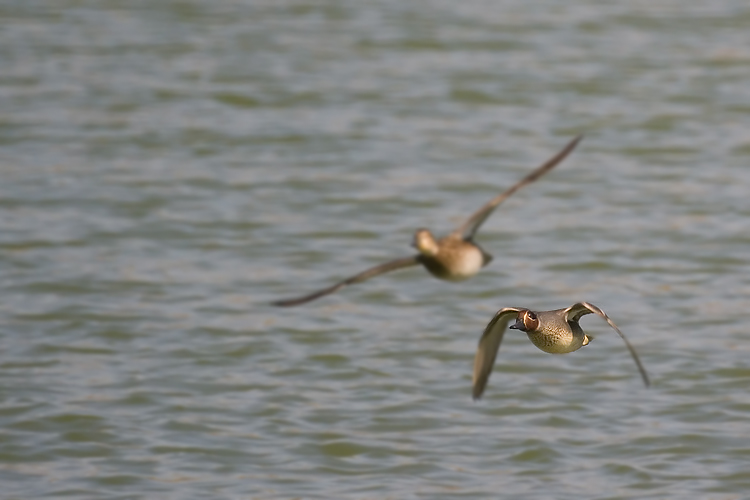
column 526, row 321
column 425, row 242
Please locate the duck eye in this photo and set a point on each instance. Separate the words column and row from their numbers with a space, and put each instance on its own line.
column 531, row 316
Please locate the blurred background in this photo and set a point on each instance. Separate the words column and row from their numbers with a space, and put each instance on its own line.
column 167, row 168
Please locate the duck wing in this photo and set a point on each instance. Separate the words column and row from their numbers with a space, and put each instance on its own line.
column 576, row 311
column 470, row 227
column 357, row 278
column 488, row 346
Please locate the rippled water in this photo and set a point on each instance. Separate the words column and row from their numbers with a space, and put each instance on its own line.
column 169, row 167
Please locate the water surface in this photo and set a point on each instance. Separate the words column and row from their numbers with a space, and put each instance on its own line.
column 168, row 168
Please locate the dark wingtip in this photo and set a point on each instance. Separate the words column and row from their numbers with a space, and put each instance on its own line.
column 285, row 303
column 476, row 393
column 573, row 143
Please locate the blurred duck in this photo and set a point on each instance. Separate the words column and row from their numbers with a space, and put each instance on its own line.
column 455, row 257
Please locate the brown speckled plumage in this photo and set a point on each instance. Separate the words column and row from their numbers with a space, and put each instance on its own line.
column 555, row 335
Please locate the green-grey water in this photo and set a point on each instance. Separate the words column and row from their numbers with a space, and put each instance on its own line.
column 168, row 168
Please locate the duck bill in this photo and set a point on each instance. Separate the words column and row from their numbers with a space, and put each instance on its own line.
column 518, row 326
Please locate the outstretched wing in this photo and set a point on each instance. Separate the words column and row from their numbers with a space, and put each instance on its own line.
column 489, row 344
column 470, row 227
column 574, row 313
column 358, row 278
